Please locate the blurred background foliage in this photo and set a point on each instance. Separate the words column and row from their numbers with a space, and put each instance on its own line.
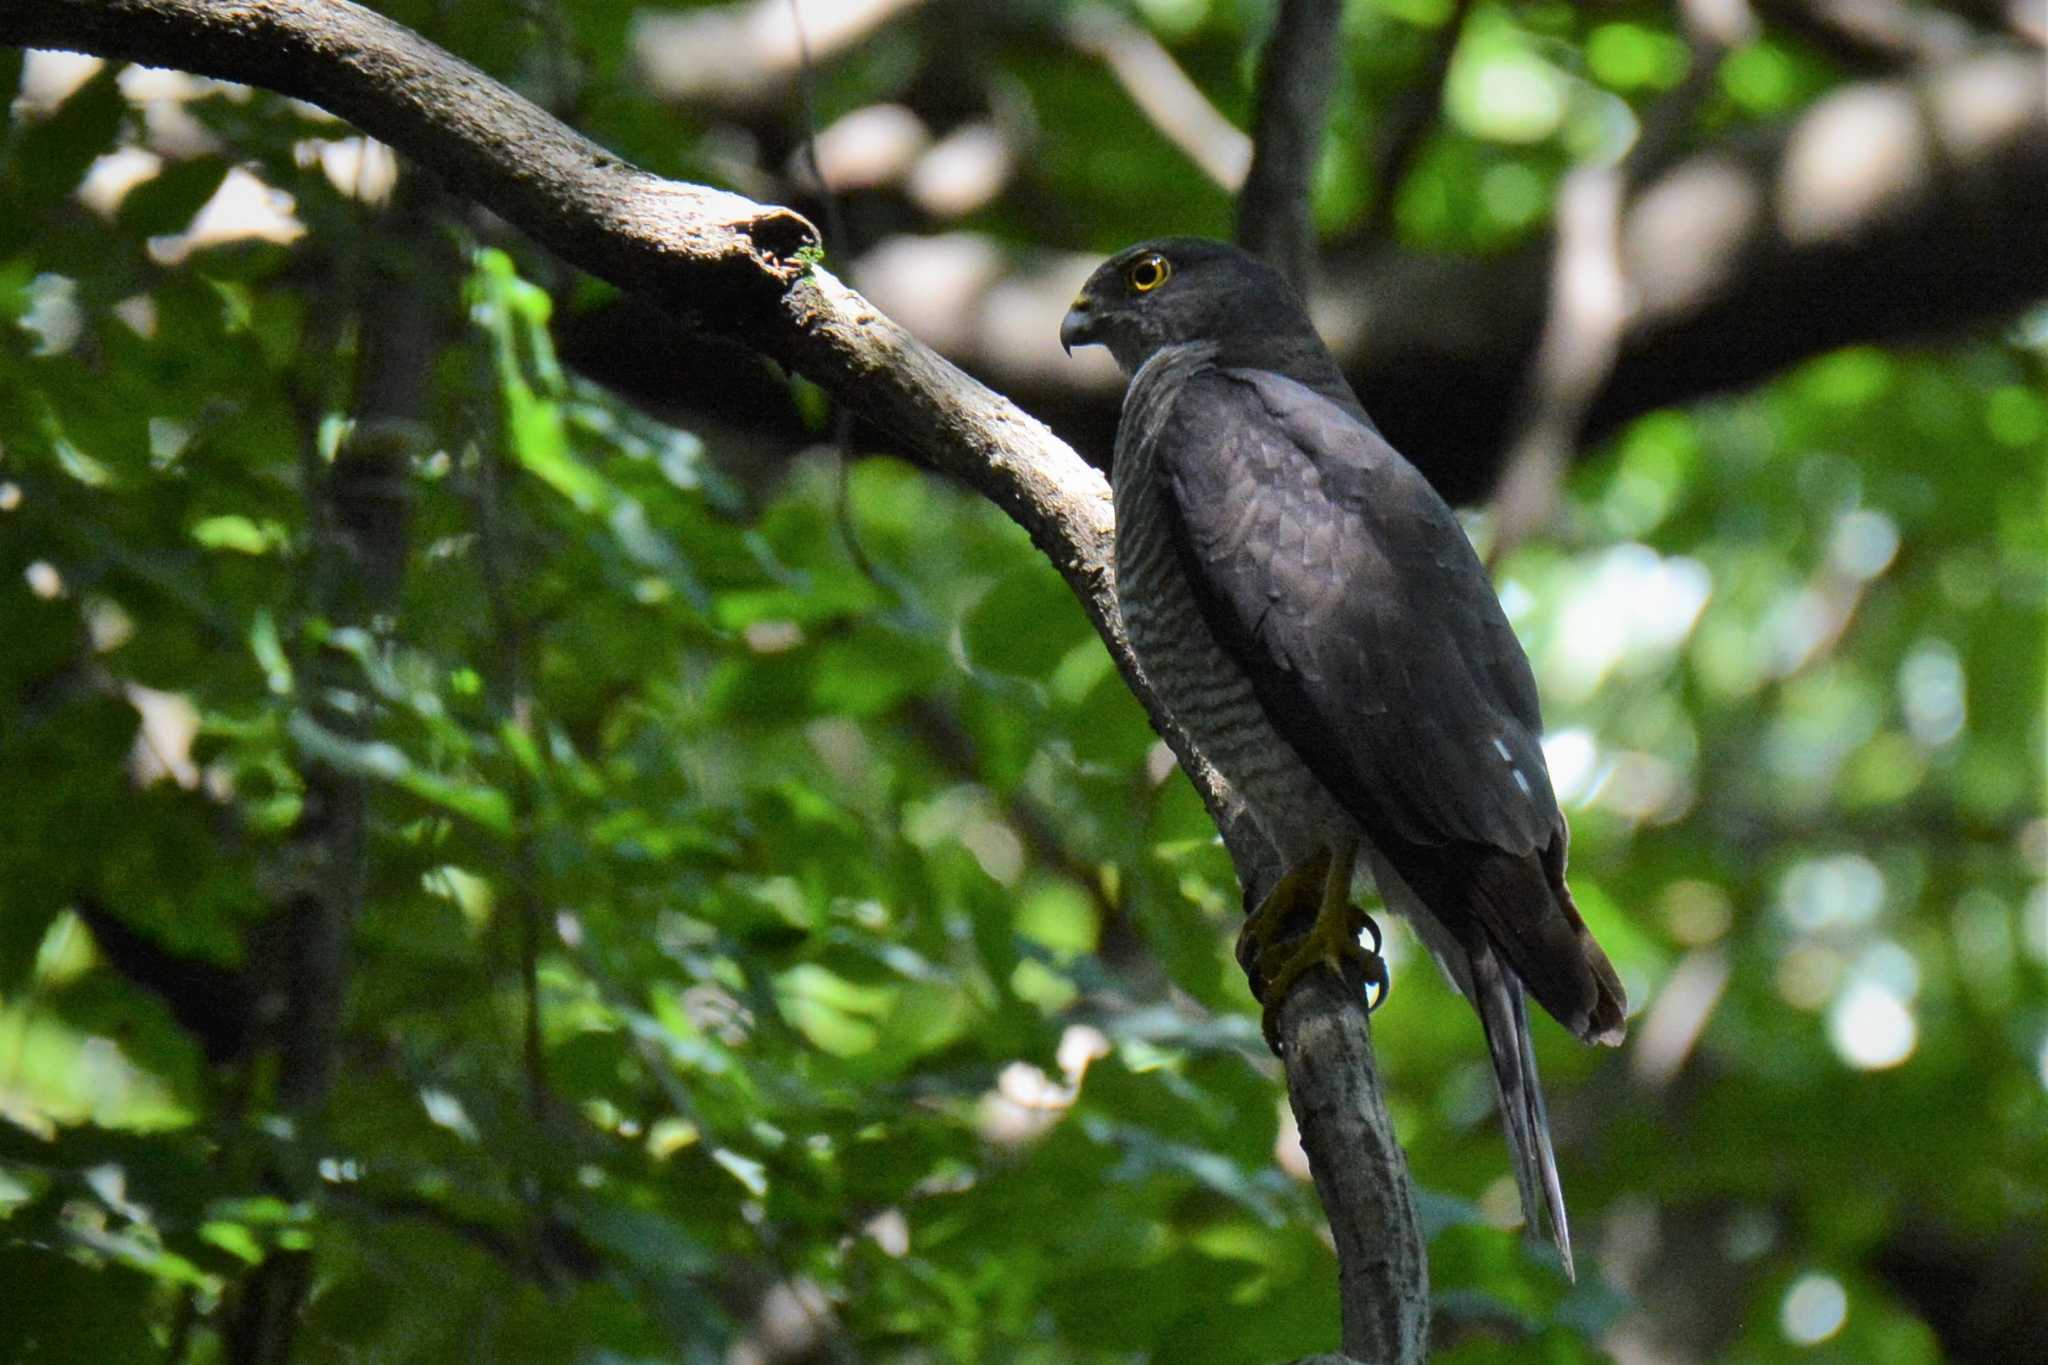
column 778, row 935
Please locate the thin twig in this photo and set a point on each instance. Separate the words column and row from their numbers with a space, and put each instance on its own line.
column 1591, row 299
column 1410, row 118
column 1163, row 93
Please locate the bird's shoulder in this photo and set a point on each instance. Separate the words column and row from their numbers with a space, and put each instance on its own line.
column 1232, row 432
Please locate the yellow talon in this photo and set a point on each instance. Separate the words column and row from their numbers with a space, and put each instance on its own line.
column 1274, row 959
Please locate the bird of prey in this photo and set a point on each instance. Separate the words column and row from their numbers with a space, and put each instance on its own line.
column 1313, row 616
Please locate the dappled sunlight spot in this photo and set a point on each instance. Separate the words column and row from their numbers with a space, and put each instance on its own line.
column 48, row 78
column 1814, row 1309
column 1987, row 100
column 871, row 146
column 1500, row 1203
column 1024, row 1105
column 1684, row 234
column 53, row 316
column 1807, row 975
column 1503, row 92
column 162, row 749
column 243, row 209
column 2034, row 923
column 964, row 171
column 889, row 1230
column 471, row 895
column 1871, row 1027
column 1159, row 763
column 337, row 1170
column 667, row 1136
column 1854, row 150
column 1635, row 605
column 772, row 637
column 842, row 746
column 741, row 53
column 109, row 1181
column 359, row 167
column 1572, row 756
column 1288, row 1153
column 1697, row 913
column 1081, row 1045
column 1888, row 963
column 110, row 178
column 43, row 580
column 569, row 929
column 444, row 1110
column 1025, row 1102
column 966, row 814
column 107, row 623
column 932, row 284
column 1678, row 1015
column 997, row 848
column 1932, row 693
column 1824, row 894
column 163, row 97
column 794, row 1322
column 1864, row 543
column 10, row 496
column 1643, row 788
column 1799, row 624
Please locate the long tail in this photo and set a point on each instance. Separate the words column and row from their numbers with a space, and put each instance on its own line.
column 1497, row 995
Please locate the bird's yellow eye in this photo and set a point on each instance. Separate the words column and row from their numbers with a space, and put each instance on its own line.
column 1147, row 273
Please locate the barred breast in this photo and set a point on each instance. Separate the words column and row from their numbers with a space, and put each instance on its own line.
column 1207, row 694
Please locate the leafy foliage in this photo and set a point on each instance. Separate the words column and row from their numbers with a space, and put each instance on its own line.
column 878, row 978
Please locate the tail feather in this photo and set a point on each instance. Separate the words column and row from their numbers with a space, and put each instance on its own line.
column 1498, row 997
column 1533, row 923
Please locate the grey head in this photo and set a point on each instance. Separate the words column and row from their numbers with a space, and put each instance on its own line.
column 1171, row 290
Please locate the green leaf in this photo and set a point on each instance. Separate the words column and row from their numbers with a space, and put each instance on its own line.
column 49, row 156
column 167, row 201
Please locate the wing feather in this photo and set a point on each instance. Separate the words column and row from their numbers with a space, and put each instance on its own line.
column 1328, row 567
column 1335, row 577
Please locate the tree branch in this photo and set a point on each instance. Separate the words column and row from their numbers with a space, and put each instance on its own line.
column 1297, row 76
column 1163, row 93
column 1409, row 119
column 1333, row 1084
column 735, row 267
column 1592, row 296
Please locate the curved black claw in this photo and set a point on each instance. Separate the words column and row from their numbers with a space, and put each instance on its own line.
column 1333, row 939
column 1379, row 982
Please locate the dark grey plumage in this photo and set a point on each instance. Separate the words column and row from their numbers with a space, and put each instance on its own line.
column 1313, row 615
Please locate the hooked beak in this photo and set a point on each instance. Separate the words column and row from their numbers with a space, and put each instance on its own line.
column 1078, row 327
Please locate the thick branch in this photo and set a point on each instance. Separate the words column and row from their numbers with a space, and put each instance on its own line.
column 1333, row 1083
column 1296, row 78
column 692, row 248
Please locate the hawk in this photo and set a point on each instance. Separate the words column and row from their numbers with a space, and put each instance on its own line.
column 1313, row 616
